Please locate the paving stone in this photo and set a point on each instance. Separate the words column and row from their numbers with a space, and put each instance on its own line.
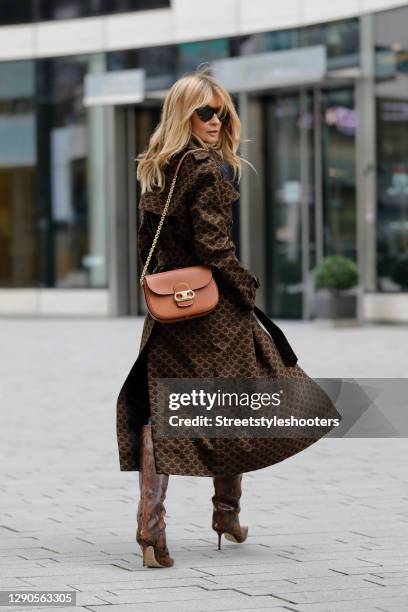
column 235, row 602
column 328, row 528
column 395, row 604
column 344, row 595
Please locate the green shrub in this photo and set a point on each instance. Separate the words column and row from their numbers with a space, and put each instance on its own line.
column 336, row 272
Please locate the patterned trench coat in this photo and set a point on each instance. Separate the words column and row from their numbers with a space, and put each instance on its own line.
column 228, row 342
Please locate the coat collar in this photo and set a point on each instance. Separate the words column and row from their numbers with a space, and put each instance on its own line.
column 155, row 200
column 201, row 152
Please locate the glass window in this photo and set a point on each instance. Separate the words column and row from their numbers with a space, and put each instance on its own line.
column 392, row 194
column 69, row 9
column 270, row 41
column 25, row 11
column 159, row 64
column 122, row 6
column 18, row 223
column 339, row 122
column 191, row 54
column 283, row 197
column 341, row 39
column 72, row 206
column 12, row 12
column 392, row 149
column 392, row 43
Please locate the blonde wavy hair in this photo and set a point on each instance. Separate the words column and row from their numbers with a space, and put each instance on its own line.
column 174, row 129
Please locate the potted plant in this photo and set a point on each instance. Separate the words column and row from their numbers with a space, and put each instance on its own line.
column 335, row 276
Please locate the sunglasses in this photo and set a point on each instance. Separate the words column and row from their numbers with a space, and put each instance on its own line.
column 207, row 112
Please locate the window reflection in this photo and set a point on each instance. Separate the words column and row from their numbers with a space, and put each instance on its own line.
column 284, row 195
column 392, row 193
column 12, row 12
column 122, row 6
column 159, row 64
column 191, row 54
column 68, row 9
column 341, row 39
column 391, row 43
column 18, row 244
column 339, row 122
column 392, row 149
column 73, row 219
column 25, row 11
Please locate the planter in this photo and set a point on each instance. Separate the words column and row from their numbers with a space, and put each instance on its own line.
column 338, row 306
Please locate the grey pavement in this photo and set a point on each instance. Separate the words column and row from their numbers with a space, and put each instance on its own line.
column 328, row 528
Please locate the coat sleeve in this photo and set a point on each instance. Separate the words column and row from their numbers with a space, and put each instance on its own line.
column 210, row 216
column 145, row 238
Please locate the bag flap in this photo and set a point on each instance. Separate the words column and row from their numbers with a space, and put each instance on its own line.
column 162, row 283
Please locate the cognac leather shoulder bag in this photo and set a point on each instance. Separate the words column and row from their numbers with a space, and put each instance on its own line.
column 182, row 293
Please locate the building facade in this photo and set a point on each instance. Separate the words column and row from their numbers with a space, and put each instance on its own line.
column 322, row 92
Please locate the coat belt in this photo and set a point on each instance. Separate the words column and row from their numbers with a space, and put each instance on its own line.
column 279, row 338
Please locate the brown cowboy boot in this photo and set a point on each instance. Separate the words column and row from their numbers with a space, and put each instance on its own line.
column 227, row 507
column 150, row 533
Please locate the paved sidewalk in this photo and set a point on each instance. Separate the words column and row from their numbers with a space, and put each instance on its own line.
column 328, row 528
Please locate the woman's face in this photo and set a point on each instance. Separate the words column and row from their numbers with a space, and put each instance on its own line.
column 208, row 131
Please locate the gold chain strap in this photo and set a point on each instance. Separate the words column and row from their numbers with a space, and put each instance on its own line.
column 173, row 183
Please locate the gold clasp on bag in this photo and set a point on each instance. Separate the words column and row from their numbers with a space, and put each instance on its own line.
column 182, row 296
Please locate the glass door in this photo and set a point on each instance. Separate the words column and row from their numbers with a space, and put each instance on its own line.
column 140, row 122
column 289, row 201
column 339, row 123
column 146, row 119
column 310, row 191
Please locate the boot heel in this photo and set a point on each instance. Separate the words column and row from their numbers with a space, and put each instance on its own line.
column 219, row 541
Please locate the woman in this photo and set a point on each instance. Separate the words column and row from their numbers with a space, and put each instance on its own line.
column 198, row 114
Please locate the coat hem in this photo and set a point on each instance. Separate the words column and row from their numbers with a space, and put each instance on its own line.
column 212, row 473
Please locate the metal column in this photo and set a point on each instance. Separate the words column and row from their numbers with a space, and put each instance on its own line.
column 245, row 238
column 318, row 173
column 304, row 201
column 115, row 185
column 131, row 205
column 365, row 164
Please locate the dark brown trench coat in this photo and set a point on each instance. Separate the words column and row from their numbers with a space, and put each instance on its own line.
column 228, row 342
